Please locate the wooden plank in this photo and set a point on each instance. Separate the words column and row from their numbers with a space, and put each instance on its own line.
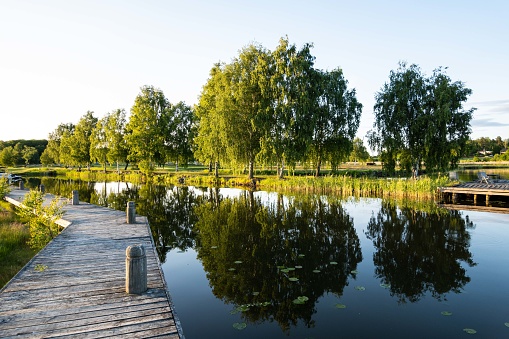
column 81, row 291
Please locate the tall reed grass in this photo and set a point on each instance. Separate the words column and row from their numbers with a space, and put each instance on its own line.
column 424, row 188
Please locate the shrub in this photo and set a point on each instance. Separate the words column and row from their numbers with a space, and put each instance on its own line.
column 40, row 219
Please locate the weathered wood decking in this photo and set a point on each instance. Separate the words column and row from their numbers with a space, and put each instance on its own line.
column 75, row 287
column 498, row 188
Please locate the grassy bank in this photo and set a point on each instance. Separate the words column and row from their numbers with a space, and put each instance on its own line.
column 350, row 179
column 14, row 249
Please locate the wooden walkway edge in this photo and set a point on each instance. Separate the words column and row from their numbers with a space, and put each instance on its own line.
column 75, row 286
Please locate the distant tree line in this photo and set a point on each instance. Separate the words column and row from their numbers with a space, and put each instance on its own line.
column 274, row 108
column 21, row 152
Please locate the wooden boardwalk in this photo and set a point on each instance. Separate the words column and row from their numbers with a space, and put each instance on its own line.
column 498, row 188
column 75, row 286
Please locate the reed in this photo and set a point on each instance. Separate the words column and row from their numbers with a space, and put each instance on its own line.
column 14, row 249
column 424, row 188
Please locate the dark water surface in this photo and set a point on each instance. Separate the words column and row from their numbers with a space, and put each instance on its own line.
column 320, row 267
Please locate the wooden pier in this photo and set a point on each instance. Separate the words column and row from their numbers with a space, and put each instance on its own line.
column 75, row 286
column 477, row 191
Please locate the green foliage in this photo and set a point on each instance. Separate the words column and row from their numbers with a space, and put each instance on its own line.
column 145, row 131
column 4, row 187
column 359, row 151
column 422, row 117
column 14, row 251
column 8, row 157
column 40, row 218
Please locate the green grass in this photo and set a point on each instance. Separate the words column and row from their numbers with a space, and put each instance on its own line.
column 14, row 250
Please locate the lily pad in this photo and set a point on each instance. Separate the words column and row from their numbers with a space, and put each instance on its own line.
column 256, row 293
column 340, row 306
column 446, row 313
column 333, row 263
column 285, row 270
column 231, row 269
column 300, row 300
column 239, row 326
column 354, row 272
column 301, row 255
column 234, row 311
column 385, row 285
column 360, row 288
column 280, row 267
column 298, row 266
column 316, row 271
column 213, row 246
column 265, row 303
column 243, row 308
column 506, row 324
column 237, row 262
column 291, row 268
column 470, row 330
column 293, row 279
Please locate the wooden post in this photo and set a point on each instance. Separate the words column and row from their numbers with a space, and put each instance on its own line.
column 135, row 269
column 475, row 199
column 487, row 200
column 21, row 185
column 75, row 197
column 131, row 212
column 455, row 198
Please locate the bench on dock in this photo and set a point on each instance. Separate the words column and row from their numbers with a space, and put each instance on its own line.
column 483, row 177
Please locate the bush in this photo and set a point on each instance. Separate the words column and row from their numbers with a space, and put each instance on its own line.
column 4, row 187
column 40, row 219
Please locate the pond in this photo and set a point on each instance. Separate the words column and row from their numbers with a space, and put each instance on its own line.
column 243, row 264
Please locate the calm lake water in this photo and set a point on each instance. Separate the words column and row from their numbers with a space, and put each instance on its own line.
column 245, row 264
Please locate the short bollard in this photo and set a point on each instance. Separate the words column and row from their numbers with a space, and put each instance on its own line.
column 131, row 212
column 42, row 188
column 21, row 185
column 75, row 197
column 135, row 269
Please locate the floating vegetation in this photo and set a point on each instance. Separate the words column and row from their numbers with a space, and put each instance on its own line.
column 301, row 255
column 360, row 288
column 506, row 324
column 298, row 266
column 239, row 326
column 231, row 269
column 470, row 330
column 316, row 271
column 354, row 272
column 291, row 268
column 213, row 247
column 285, row 270
column 341, row 306
column 256, row 293
column 293, row 279
column 237, row 262
column 40, row 268
column 385, row 285
column 333, row 263
column 446, row 313
column 300, row 300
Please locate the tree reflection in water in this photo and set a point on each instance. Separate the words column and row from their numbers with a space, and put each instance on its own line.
column 418, row 252
column 245, row 247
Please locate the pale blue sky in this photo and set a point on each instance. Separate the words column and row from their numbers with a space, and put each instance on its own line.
column 59, row 59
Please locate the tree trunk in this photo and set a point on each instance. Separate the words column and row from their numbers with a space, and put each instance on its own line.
column 126, row 164
column 216, row 169
column 210, row 166
column 251, row 169
column 281, row 170
column 318, row 165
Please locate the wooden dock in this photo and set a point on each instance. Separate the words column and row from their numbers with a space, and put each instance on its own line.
column 75, row 286
column 454, row 194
